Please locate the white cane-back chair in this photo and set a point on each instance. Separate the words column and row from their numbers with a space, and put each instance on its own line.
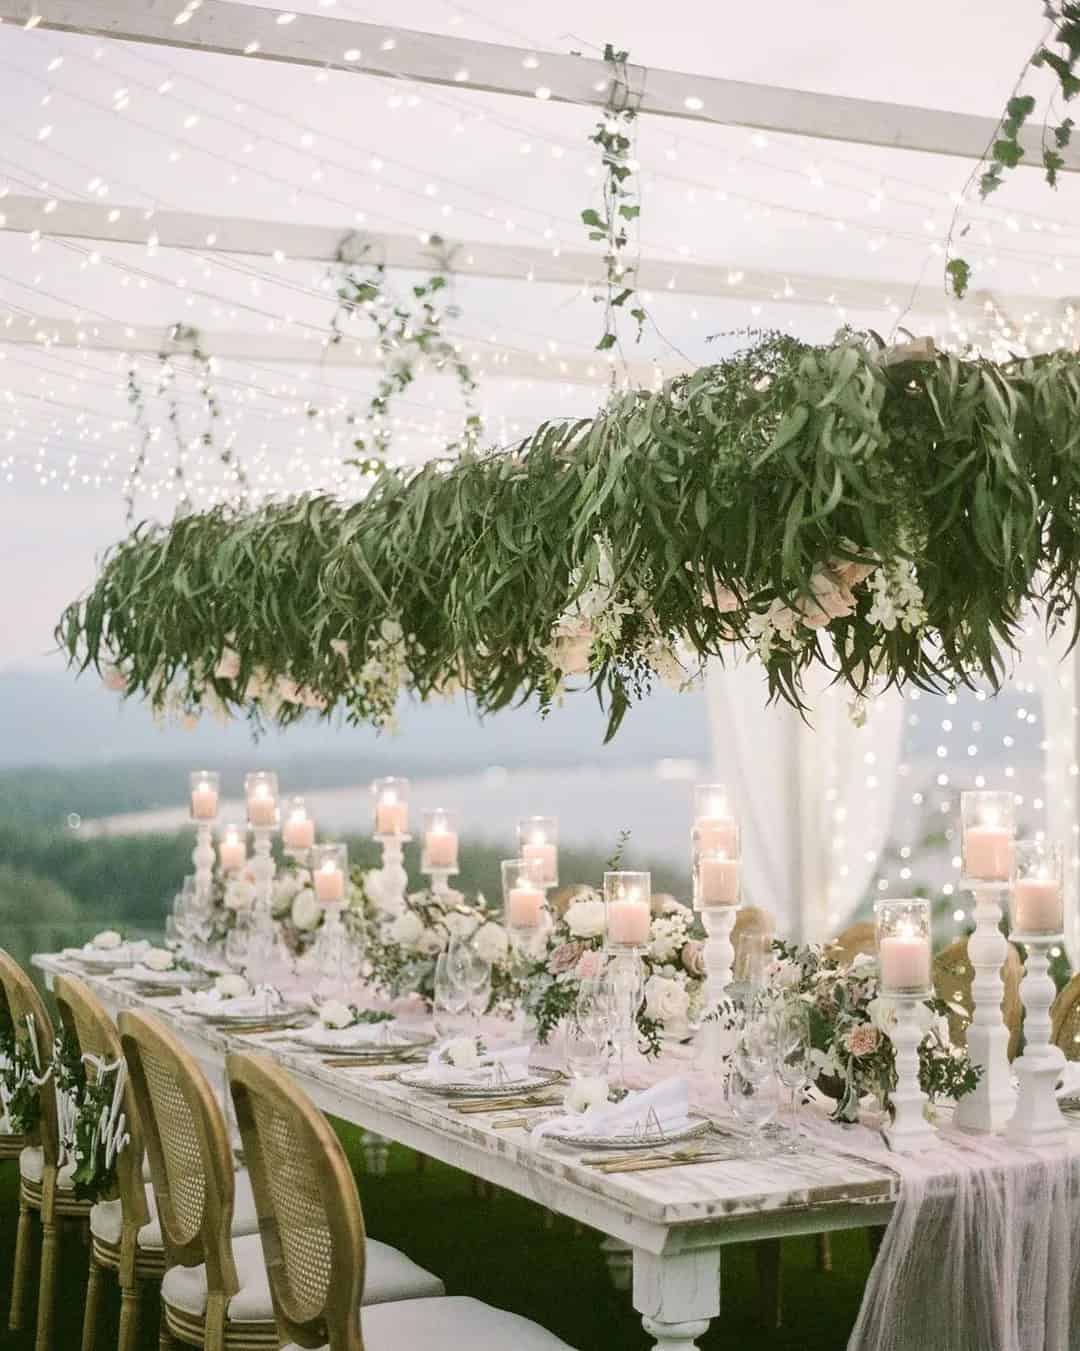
column 317, row 1255
column 215, row 1293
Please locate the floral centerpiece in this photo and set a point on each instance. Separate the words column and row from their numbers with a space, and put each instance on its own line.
column 402, row 948
column 850, row 1025
column 293, row 903
column 673, row 961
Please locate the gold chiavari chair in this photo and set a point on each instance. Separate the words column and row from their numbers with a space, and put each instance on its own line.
column 953, row 977
column 317, row 1255
column 215, row 1293
column 1065, row 1020
column 44, row 1187
column 854, row 941
column 11, row 1145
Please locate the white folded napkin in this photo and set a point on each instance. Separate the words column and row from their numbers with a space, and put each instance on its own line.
column 666, row 1104
column 509, row 1065
column 256, row 1005
column 358, row 1034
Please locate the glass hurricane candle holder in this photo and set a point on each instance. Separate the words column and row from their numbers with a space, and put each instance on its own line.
column 298, row 828
column 261, row 792
column 330, row 872
column 440, row 852
column 232, row 848
column 715, row 827
column 627, row 909
column 538, row 842
column 523, row 895
column 391, row 798
column 205, row 785
column 988, row 826
column 717, row 880
column 903, row 944
column 1038, row 889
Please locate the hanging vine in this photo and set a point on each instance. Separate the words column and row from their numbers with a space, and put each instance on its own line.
column 180, row 338
column 614, row 134
column 1058, row 51
column 409, row 331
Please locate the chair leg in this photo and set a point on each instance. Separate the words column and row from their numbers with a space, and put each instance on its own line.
column 129, row 1319
column 767, row 1253
column 824, row 1252
column 46, row 1286
column 21, row 1276
column 92, row 1308
column 165, row 1337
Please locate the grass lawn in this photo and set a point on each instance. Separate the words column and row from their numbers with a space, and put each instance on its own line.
column 501, row 1250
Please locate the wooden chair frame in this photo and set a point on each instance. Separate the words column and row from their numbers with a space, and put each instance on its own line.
column 1012, row 1008
column 52, row 1204
column 1062, row 1008
column 84, row 1017
column 255, row 1078
column 142, row 1035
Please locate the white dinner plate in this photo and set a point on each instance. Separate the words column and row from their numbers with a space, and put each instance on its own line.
column 535, row 1079
column 694, row 1127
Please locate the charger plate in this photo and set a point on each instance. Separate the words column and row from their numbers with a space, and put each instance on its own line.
column 694, row 1127
column 506, row 1088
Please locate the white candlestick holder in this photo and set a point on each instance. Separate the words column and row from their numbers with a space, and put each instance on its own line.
column 202, row 856
column 440, row 880
column 718, row 955
column 909, row 1132
column 993, row 1101
column 393, row 881
column 1037, row 1120
column 261, row 943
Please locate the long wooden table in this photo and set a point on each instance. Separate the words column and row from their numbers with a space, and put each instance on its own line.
column 675, row 1220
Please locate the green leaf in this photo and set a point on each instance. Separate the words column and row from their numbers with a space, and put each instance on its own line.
column 958, row 273
column 606, row 342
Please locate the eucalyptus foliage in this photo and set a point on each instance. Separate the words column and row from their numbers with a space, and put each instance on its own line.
column 700, row 520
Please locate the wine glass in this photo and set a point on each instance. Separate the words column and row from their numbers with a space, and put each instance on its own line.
column 751, row 1081
column 587, row 1032
column 478, row 985
column 622, row 984
column 236, row 943
column 451, row 996
column 793, row 1062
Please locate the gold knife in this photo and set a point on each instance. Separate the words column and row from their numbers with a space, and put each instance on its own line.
column 502, row 1105
column 648, row 1165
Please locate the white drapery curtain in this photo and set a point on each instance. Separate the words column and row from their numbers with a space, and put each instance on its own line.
column 815, row 797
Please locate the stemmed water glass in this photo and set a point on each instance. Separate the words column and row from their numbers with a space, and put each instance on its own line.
column 622, row 984
column 587, row 1032
column 451, row 995
column 478, row 984
column 751, row 1082
column 793, row 1062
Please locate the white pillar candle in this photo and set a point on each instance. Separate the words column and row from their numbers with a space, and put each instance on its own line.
column 988, row 853
column 1037, row 906
column 298, row 831
column 628, row 921
column 905, row 962
column 543, row 857
column 391, row 816
column 716, row 835
column 204, row 801
column 524, row 906
column 718, row 881
column 441, row 848
column 232, row 853
column 262, row 806
column 329, row 883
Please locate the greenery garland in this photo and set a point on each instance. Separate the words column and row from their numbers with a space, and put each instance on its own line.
column 91, row 1138
column 886, row 515
column 19, row 1079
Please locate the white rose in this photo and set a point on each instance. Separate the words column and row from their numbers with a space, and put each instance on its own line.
column 585, row 919
column 463, row 1053
column 782, row 972
column 666, row 1001
column 306, row 910
column 239, row 895
column 231, row 986
column 882, row 1013
column 583, row 1094
column 335, row 1014
column 107, row 940
column 431, row 942
column 282, row 892
column 407, row 929
column 460, row 926
column 158, row 959
column 491, row 943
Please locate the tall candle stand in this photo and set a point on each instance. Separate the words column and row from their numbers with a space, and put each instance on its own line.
column 1037, row 1120
column 909, row 1131
column 440, row 880
column 393, row 879
column 261, row 943
column 202, row 856
column 993, row 1101
column 718, row 955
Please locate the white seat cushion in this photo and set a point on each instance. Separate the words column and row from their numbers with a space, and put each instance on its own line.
column 32, row 1168
column 106, row 1217
column 390, row 1276
column 435, row 1324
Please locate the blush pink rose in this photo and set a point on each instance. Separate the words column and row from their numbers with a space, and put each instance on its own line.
column 589, row 963
column 693, row 958
column 565, row 958
column 862, row 1040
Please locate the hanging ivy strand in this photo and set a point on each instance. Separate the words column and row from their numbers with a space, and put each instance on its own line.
column 886, row 513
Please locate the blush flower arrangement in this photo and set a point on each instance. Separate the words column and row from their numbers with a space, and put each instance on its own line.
column 850, row 1026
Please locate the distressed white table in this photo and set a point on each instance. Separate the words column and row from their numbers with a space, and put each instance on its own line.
column 676, row 1220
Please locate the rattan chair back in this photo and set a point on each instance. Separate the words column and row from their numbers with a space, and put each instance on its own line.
column 33, row 1030
column 187, row 1144
column 1065, row 1020
column 83, row 1016
column 953, row 979
column 855, row 940
column 309, row 1212
column 752, row 919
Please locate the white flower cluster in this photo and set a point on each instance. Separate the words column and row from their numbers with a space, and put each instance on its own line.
column 898, row 598
column 594, row 618
column 443, row 924
column 831, row 596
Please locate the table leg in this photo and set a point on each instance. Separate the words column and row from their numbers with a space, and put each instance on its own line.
column 619, row 1257
column 376, row 1153
column 677, row 1296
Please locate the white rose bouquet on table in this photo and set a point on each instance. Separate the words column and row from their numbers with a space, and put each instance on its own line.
column 674, row 968
column 403, row 948
column 850, row 1021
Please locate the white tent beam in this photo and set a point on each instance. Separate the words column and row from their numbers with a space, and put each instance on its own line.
column 487, row 360
column 115, row 224
column 316, row 40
